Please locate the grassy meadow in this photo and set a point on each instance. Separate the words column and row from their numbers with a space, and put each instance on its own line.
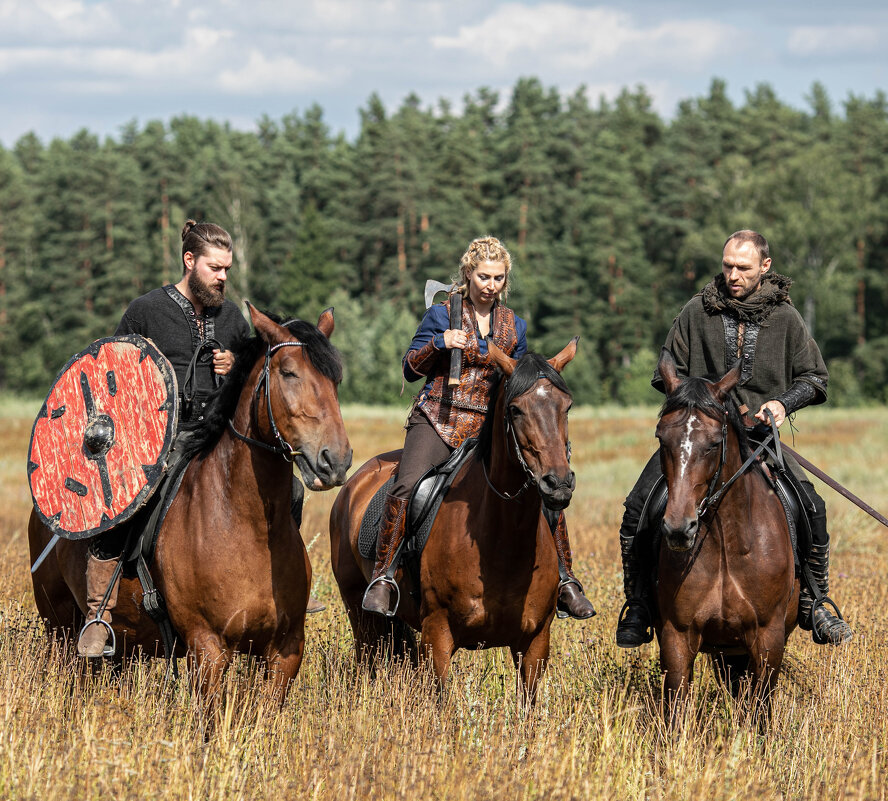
column 596, row 732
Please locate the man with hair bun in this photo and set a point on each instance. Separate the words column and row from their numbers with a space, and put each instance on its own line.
column 188, row 322
column 744, row 313
column 442, row 420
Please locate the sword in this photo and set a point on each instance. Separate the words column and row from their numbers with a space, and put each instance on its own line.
column 46, row 550
column 835, row 485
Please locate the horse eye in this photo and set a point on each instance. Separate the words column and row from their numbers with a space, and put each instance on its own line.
column 515, row 411
column 288, row 374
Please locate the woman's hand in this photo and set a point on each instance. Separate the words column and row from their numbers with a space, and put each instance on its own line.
column 455, row 338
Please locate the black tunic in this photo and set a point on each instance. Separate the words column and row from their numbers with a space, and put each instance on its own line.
column 167, row 318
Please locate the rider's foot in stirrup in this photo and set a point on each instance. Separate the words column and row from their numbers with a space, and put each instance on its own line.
column 829, row 629
column 572, row 603
column 378, row 597
column 634, row 628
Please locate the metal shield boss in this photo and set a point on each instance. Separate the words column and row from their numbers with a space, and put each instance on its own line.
column 100, row 442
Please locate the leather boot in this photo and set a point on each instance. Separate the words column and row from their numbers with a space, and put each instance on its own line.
column 571, row 601
column 93, row 640
column 378, row 597
column 825, row 627
column 634, row 626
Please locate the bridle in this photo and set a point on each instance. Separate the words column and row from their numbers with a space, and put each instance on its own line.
column 509, row 425
column 283, row 448
column 712, row 498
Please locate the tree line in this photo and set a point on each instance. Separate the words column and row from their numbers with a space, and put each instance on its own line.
column 614, row 216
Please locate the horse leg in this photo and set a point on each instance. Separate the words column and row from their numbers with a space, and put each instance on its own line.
column 731, row 670
column 207, row 660
column 437, row 644
column 282, row 668
column 766, row 658
column 677, row 654
column 531, row 664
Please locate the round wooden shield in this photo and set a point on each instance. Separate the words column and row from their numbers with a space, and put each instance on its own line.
column 100, row 442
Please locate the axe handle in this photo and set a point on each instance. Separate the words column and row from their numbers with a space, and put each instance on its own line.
column 455, row 353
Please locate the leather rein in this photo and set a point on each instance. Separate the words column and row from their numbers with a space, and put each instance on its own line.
column 510, row 434
column 713, row 497
column 283, row 448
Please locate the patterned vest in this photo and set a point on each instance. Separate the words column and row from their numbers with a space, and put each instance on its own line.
column 458, row 412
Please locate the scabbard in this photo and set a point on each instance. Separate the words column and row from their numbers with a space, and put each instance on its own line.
column 831, row 482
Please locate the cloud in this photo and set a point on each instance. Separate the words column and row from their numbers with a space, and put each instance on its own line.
column 836, row 40
column 261, row 74
column 572, row 37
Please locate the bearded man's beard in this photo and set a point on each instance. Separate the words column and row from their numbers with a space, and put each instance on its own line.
column 206, row 294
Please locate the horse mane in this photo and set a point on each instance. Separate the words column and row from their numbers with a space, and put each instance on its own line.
column 529, row 369
column 696, row 393
column 223, row 401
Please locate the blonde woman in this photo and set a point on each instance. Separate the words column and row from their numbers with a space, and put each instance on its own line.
column 443, row 417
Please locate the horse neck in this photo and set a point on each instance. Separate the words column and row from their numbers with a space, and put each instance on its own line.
column 735, row 506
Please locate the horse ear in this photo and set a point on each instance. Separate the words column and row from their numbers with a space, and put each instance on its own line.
column 560, row 360
column 668, row 372
column 325, row 322
column 267, row 328
column 504, row 362
column 728, row 381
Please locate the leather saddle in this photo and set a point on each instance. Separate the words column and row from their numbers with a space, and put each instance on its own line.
column 425, row 500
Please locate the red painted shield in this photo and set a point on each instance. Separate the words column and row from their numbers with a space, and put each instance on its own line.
column 100, row 442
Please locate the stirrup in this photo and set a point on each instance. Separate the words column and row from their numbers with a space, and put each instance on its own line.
column 387, row 580
column 648, row 633
column 109, row 649
column 838, row 618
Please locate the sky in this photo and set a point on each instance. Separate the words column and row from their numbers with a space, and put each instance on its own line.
column 66, row 65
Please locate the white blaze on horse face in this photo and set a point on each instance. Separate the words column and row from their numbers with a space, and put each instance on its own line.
column 686, row 447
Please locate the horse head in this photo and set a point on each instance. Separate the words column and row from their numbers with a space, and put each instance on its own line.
column 536, row 402
column 692, row 431
column 300, row 407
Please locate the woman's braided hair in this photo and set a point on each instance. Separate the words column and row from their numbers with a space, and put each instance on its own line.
column 485, row 248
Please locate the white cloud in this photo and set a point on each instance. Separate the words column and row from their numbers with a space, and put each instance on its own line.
column 572, row 37
column 261, row 75
column 833, row 40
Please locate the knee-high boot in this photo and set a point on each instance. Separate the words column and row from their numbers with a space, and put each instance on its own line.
column 93, row 640
column 378, row 597
column 814, row 614
column 634, row 626
column 571, row 600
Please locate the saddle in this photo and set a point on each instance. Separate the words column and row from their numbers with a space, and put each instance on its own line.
column 425, row 500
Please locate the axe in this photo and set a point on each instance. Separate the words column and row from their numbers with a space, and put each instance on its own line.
column 432, row 288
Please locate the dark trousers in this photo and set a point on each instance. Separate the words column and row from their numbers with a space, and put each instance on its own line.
column 423, row 449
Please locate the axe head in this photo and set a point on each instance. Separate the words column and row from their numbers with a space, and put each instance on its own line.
column 433, row 287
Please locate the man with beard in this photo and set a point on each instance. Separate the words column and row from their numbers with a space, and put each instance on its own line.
column 744, row 313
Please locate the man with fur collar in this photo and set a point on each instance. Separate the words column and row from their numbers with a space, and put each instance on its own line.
column 744, row 313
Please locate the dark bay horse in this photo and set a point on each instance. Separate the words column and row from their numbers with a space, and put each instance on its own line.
column 727, row 583
column 489, row 571
column 230, row 561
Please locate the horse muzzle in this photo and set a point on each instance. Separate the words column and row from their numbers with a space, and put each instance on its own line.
column 325, row 469
column 557, row 490
column 683, row 536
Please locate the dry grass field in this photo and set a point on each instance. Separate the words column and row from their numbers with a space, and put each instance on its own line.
column 596, row 732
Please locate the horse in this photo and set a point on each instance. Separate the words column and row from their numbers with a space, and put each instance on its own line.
column 727, row 584
column 488, row 574
column 229, row 560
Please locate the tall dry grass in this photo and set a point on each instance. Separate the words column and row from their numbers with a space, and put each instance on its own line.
column 596, row 732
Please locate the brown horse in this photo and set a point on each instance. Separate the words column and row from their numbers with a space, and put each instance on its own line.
column 229, row 560
column 489, row 572
column 727, row 582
